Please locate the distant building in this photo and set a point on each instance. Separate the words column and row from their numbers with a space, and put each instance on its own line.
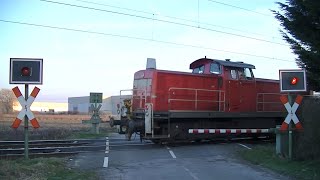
column 79, row 104
column 82, row 104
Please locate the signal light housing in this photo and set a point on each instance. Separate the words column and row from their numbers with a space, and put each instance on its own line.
column 293, row 80
column 26, row 71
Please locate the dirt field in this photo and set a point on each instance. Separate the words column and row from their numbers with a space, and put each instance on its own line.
column 51, row 126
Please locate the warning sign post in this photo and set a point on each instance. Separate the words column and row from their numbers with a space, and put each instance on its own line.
column 95, row 98
column 26, row 71
column 287, row 124
column 291, row 81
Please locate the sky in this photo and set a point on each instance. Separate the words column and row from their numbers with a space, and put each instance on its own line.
column 98, row 45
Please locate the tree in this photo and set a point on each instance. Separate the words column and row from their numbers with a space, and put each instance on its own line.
column 301, row 22
column 7, row 100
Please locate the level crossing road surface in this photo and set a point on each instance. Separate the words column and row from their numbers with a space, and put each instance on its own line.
column 188, row 161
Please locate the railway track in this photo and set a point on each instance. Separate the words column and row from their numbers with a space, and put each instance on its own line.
column 47, row 148
column 56, row 148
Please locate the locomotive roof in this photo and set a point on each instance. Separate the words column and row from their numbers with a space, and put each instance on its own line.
column 229, row 63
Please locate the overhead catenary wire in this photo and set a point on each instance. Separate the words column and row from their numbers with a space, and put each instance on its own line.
column 164, row 21
column 139, row 38
column 117, row 7
column 238, row 7
column 176, row 18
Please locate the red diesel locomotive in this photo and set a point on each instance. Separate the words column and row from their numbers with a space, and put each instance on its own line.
column 219, row 97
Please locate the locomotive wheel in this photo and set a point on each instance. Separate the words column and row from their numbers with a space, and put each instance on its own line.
column 111, row 122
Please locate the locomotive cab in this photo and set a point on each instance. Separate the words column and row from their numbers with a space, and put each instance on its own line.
column 236, row 78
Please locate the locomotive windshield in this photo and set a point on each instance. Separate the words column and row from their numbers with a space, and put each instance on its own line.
column 245, row 73
column 248, row 73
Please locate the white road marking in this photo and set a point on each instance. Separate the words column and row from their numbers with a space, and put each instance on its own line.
column 172, row 154
column 107, row 145
column 106, row 159
column 244, row 146
column 191, row 174
column 106, row 162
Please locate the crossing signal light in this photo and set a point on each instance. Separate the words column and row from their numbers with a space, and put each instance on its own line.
column 294, row 81
column 25, row 71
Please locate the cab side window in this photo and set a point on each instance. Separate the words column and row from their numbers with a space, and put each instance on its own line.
column 233, row 74
column 215, row 68
column 198, row 70
column 241, row 74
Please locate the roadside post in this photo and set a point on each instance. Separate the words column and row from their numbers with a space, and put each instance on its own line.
column 95, row 99
column 291, row 81
column 26, row 71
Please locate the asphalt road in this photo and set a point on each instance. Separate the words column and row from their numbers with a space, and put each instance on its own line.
column 147, row 161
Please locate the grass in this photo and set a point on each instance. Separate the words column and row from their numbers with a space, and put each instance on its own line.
column 89, row 135
column 53, row 127
column 265, row 156
column 41, row 168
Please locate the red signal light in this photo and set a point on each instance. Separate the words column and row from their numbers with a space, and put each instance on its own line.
column 294, row 81
column 25, row 71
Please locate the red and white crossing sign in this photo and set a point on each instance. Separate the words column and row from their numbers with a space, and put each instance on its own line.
column 25, row 104
column 291, row 112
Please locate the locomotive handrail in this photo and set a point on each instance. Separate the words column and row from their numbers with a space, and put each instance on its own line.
column 141, row 97
column 263, row 101
column 221, row 97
